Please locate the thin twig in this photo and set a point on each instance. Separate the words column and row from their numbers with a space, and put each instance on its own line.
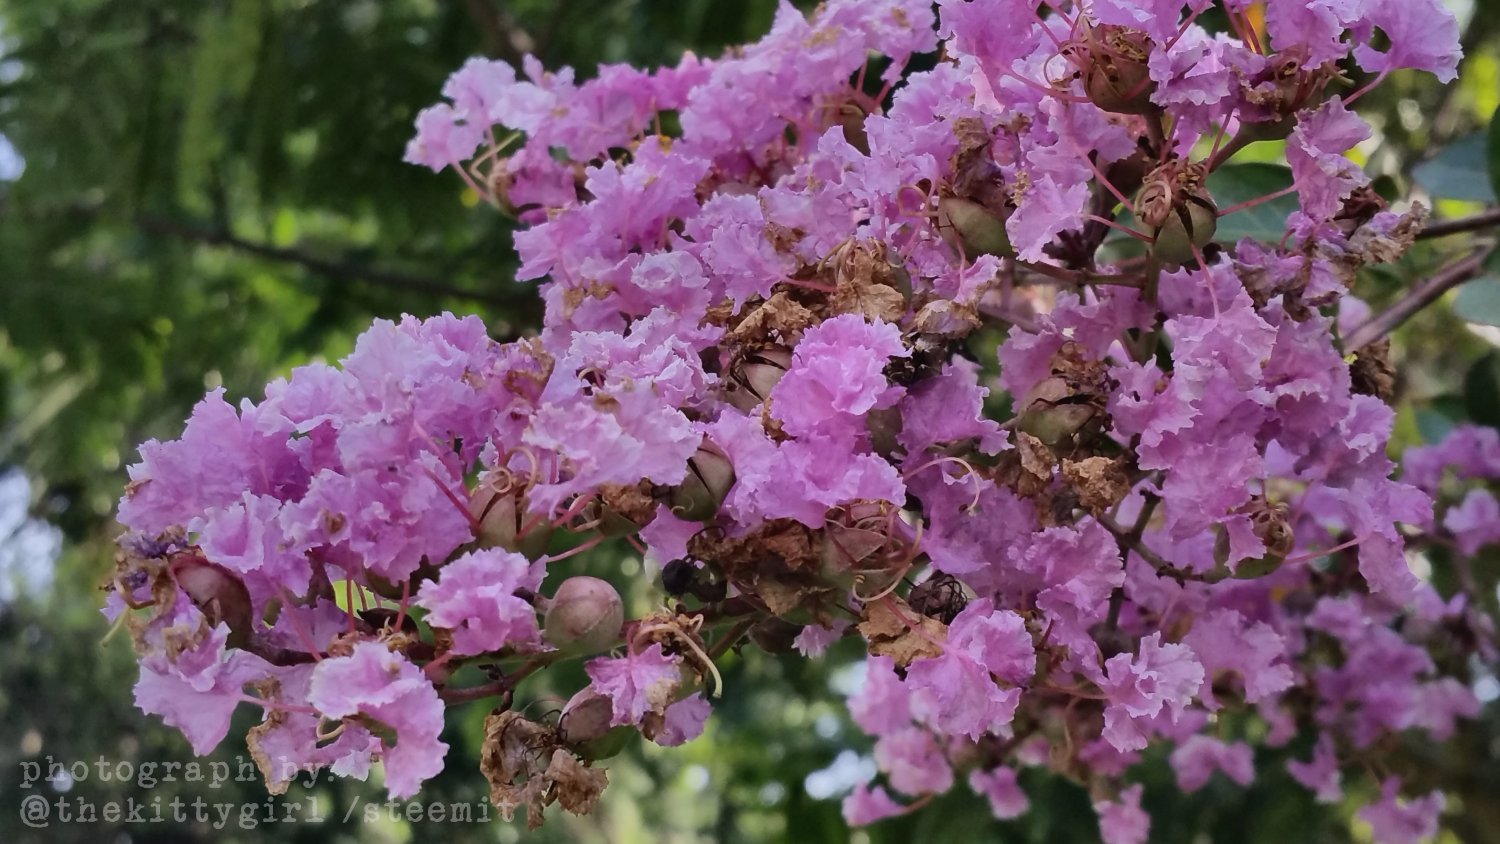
column 1424, row 294
column 1129, row 542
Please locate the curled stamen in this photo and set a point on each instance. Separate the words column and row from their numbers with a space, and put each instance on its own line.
column 572, row 552
column 681, row 637
column 970, row 471
column 331, row 734
column 895, row 582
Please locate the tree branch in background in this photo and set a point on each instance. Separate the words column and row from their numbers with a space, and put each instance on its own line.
column 504, row 38
column 313, row 263
column 1424, row 294
column 1482, row 220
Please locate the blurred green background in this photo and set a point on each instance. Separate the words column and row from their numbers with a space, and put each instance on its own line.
column 198, row 193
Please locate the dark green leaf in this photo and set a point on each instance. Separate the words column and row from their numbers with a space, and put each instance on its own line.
column 1494, row 153
column 1458, row 171
column 1436, row 421
column 1239, row 183
column 1479, row 301
column 1482, row 390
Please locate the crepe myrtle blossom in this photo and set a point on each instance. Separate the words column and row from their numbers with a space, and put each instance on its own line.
column 841, row 351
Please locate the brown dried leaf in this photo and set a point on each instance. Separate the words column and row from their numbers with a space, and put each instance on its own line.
column 782, row 596
column 946, row 318
column 792, row 543
column 1384, row 248
column 633, row 502
column 778, row 317
column 1372, row 373
column 1027, row 468
column 896, row 630
column 577, row 787
column 511, row 752
column 875, row 301
column 1100, row 482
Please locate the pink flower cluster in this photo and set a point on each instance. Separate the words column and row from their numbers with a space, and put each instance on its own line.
column 768, row 279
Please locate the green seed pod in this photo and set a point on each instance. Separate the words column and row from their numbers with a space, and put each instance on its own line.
column 701, row 494
column 1049, row 413
column 1190, row 226
column 755, row 375
column 974, row 228
column 1116, row 76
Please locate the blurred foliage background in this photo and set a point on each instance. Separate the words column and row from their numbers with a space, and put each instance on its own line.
column 197, row 193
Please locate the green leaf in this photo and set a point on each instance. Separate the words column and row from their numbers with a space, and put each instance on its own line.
column 1436, row 421
column 1482, row 390
column 1479, row 301
column 1458, row 171
column 1494, row 153
column 1237, row 183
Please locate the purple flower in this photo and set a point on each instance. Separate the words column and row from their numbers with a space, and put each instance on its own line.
column 1474, row 522
column 475, row 599
column 1123, row 821
column 683, row 721
column 1158, row 678
column 999, row 786
column 637, row 683
column 1423, row 35
column 1320, row 774
column 883, row 703
column 445, row 136
column 996, row 639
column 1397, row 821
column 1197, row 758
column 836, row 377
column 1324, row 177
column 1225, row 641
column 914, row 763
column 867, row 805
column 196, row 690
column 956, row 695
column 384, row 686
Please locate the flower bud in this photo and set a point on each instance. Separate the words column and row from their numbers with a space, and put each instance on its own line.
column 973, row 228
column 701, row 494
column 218, row 592
column 584, row 616
column 500, row 513
column 755, row 375
column 584, row 726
